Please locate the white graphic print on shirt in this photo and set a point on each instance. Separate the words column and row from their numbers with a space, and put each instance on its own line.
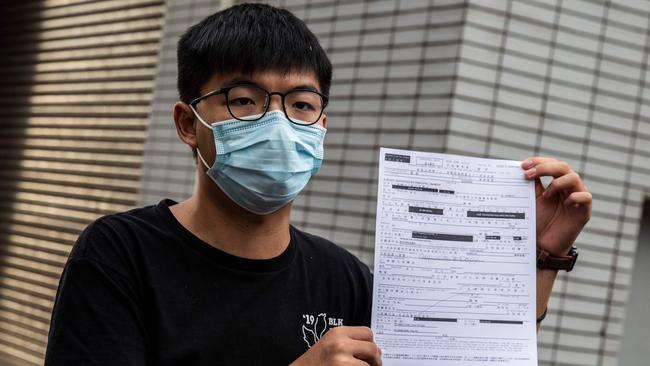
column 316, row 326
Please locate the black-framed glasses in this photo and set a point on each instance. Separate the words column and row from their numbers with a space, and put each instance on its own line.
column 248, row 102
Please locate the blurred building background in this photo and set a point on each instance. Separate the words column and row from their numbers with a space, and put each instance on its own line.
column 86, row 90
column 76, row 82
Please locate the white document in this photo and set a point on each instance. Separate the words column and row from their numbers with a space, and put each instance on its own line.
column 454, row 276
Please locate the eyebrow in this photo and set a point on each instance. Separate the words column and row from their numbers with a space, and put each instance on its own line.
column 245, row 81
column 308, row 87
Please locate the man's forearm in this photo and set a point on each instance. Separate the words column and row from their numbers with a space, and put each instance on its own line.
column 545, row 281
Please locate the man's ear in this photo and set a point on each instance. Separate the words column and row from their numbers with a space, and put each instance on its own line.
column 324, row 120
column 185, row 124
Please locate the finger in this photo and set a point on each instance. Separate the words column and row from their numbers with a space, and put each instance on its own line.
column 357, row 333
column 535, row 160
column 367, row 351
column 579, row 198
column 551, row 169
column 357, row 362
column 539, row 188
column 568, row 183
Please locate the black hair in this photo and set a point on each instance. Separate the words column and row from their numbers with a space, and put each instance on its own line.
column 248, row 38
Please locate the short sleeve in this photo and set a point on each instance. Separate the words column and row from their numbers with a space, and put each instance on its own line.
column 97, row 317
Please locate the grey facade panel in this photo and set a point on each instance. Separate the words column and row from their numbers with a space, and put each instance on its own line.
column 556, row 79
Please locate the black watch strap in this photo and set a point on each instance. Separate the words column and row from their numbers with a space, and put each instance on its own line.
column 546, row 260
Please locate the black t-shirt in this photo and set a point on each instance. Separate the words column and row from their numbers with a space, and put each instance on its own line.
column 140, row 289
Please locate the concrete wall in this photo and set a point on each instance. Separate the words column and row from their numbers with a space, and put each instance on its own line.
column 636, row 336
column 76, row 81
column 567, row 79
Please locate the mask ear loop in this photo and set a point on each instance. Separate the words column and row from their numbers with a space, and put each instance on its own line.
column 198, row 152
column 196, row 114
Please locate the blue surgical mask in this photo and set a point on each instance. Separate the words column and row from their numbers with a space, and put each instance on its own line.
column 262, row 165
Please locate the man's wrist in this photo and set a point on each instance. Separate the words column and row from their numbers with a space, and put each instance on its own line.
column 554, row 249
column 541, row 317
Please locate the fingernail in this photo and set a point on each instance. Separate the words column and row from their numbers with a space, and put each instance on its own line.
column 531, row 173
column 527, row 164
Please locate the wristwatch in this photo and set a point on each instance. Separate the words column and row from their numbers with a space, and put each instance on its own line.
column 546, row 260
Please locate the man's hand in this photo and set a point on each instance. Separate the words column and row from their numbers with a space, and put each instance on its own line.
column 343, row 346
column 563, row 208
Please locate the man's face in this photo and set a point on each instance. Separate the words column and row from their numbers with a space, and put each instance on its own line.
column 302, row 98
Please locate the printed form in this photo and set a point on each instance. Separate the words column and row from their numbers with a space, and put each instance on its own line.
column 454, row 276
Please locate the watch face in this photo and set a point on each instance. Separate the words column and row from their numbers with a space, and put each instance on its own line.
column 574, row 253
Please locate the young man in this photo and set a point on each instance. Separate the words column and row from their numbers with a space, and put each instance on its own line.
column 222, row 278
